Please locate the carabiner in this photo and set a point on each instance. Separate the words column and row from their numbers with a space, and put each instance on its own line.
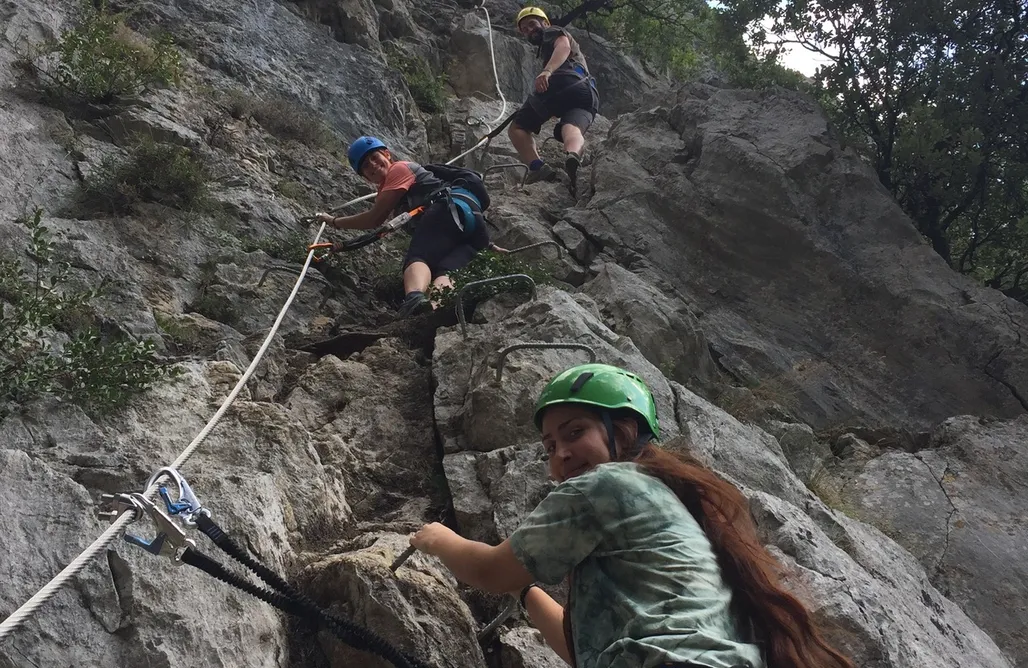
column 327, row 246
column 186, row 506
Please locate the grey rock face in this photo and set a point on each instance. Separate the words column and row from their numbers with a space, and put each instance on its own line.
column 416, row 608
column 812, row 283
column 525, row 648
column 272, row 48
column 664, row 328
column 959, row 508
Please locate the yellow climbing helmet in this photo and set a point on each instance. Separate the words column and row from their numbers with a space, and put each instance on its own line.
column 530, row 11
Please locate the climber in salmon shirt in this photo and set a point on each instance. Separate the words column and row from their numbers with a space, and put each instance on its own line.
column 563, row 89
column 445, row 236
column 661, row 555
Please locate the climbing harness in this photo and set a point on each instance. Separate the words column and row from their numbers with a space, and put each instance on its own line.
column 171, row 540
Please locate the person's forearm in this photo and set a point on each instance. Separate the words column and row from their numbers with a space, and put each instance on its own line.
column 560, row 53
column 362, row 221
column 548, row 616
column 464, row 558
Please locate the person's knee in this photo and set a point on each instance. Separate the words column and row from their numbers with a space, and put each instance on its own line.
column 414, row 266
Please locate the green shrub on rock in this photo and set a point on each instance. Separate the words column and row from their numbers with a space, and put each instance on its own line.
column 46, row 345
column 101, row 59
column 167, row 174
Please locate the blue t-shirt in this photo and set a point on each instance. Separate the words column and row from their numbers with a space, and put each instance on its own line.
column 646, row 586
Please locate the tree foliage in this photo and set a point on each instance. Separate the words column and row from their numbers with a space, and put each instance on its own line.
column 681, row 37
column 936, row 92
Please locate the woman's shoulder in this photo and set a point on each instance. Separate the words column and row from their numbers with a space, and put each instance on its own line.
column 614, row 475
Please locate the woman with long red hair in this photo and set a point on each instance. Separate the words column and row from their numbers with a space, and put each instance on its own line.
column 663, row 558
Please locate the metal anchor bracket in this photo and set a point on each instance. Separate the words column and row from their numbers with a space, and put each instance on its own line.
column 540, row 346
column 509, row 165
column 539, row 244
column 512, row 278
column 313, row 276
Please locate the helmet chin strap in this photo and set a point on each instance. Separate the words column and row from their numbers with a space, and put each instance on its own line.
column 611, row 443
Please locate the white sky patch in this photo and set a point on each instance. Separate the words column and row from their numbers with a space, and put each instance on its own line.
column 794, row 56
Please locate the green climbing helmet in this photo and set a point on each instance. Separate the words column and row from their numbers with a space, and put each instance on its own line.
column 602, row 386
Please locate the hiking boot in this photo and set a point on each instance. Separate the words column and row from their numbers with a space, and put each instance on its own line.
column 544, row 173
column 415, row 303
column 571, row 165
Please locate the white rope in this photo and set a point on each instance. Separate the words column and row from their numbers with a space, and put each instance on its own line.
column 492, row 56
column 188, row 452
column 71, row 570
column 27, row 609
column 499, row 89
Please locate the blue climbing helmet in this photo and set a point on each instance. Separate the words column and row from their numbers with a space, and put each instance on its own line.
column 360, row 150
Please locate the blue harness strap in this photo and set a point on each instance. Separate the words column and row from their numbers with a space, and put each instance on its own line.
column 464, row 200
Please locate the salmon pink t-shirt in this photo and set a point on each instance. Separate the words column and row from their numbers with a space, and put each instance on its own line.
column 399, row 177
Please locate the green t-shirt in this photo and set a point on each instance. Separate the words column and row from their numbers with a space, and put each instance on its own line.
column 646, row 587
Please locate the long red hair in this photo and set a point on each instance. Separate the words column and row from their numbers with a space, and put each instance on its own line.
column 783, row 627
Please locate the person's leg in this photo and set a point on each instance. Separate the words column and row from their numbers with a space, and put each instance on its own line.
column 574, row 140
column 416, row 277
column 435, row 234
column 524, row 143
column 528, row 122
column 439, row 284
column 571, row 131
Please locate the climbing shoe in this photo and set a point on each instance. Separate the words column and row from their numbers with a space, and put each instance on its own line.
column 544, row 173
column 415, row 303
column 571, row 164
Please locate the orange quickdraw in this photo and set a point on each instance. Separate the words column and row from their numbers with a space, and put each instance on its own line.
column 322, row 246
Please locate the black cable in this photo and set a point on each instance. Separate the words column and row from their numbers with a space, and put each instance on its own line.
column 288, row 599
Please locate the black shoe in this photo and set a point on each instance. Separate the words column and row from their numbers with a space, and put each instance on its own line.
column 415, row 303
column 571, row 164
column 544, row 173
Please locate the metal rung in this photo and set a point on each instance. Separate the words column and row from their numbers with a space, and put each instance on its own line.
column 540, row 346
column 505, row 614
column 522, row 278
column 317, row 278
column 560, row 249
column 509, row 165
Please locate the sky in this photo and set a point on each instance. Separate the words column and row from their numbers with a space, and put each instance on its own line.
column 795, row 57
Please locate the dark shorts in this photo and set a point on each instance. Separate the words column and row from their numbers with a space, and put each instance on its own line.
column 439, row 243
column 573, row 103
